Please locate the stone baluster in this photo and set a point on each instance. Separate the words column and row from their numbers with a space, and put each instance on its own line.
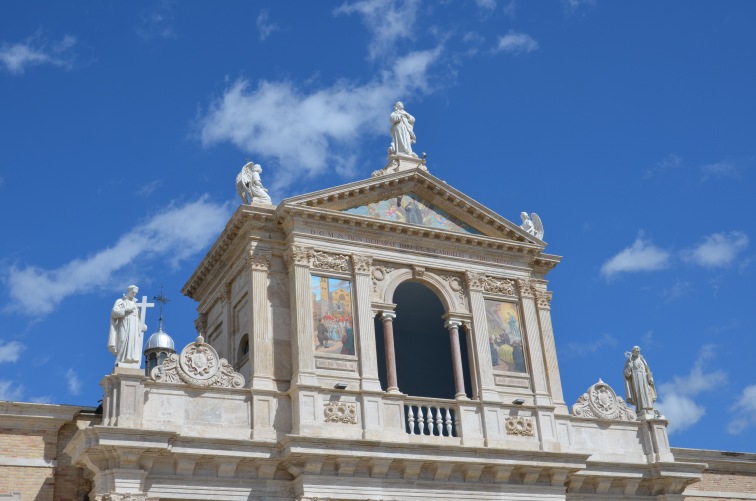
column 388, row 338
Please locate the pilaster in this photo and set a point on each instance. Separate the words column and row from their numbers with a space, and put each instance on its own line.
column 527, row 298
column 261, row 342
column 543, row 303
column 302, row 344
column 363, row 285
column 484, row 367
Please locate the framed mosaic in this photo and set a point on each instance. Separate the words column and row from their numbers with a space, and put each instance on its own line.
column 505, row 336
column 332, row 312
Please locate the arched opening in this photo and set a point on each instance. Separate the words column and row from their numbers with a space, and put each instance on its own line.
column 421, row 345
column 243, row 350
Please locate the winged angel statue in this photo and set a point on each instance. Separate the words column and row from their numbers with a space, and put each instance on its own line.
column 249, row 187
column 532, row 224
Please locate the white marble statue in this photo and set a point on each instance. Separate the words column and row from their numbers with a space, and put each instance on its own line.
column 249, row 186
column 126, row 330
column 639, row 382
column 532, row 224
column 402, row 132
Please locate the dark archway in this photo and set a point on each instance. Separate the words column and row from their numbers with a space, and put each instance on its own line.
column 421, row 342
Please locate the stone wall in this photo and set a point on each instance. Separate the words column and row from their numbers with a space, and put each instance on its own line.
column 729, row 476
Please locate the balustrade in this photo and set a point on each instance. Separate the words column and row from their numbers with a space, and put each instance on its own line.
column 431, row 417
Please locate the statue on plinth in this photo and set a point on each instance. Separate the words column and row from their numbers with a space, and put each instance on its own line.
column 532, row 224
column 639, row 382
column 249, row 186
column 402, row 132
column 126, row 330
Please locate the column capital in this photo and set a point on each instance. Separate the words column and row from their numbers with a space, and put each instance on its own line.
column 453, row 323
column 475, row 280
column 362, row 264
column 543, row 299
column 388, row 315
column 225, row 292
column 297, row 255
column 525, row 288
column 258, row 259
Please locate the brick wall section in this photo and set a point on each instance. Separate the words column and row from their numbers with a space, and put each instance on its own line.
column 33, row 482
column 720, row 481
column 70, row 483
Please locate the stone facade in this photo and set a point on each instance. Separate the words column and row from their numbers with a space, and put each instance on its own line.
column 288, row 299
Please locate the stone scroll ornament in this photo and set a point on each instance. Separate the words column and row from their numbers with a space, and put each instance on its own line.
column 198, row 365
column 601, row 402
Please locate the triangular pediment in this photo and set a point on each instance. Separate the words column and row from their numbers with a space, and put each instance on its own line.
column 390, row 198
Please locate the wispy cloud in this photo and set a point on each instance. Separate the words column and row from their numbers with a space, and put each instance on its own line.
column 149, row 188
column 516, row 43
column 487, row 5
column 642, row 255
column 669, row 163
column 307, row 133
column 577, row 349
column 264, row 27
column 389, row 22
column 36, row 51
column 10, row 351
column 10, row 390
column 677, row 398
column 576, row 6
column 73, row 381
column 718, row 250
column 157, row 21
column 720, row 169
column 174, row 234
column 744, row 411
column 679, row 289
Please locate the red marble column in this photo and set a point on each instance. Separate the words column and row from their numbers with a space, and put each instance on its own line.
column 388, row 339
column 459, row 379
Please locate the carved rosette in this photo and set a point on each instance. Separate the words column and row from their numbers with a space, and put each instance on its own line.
column 601, row 402
column 340, row 412
column 525, row 288
column 198, row 365
column 258, row 259
column 297, row 255
column 330, row 262
column 362, row 264
column 520, row 426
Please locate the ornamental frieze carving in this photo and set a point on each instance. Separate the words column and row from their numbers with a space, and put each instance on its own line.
column 331, row 262
column 601, row 402
column 125, row 497
column 198, row 364
column 340, row 412
column 361, row 264
column 519, row 426
column 499, row 286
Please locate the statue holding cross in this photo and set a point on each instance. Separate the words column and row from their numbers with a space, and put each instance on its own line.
column 127, row 329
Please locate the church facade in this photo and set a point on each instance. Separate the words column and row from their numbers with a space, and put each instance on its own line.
column 388, row 339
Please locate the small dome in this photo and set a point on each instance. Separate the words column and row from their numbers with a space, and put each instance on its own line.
column 160, row 340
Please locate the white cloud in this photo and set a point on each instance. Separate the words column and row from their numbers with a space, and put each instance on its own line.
column 149, row 188
column 44, row 399
column 35, row 51
column 10, row 391
column 641, row 256
column 667, row 164
column 389, row 21
column 572, row 6
column 744, row 411
column 516, row 43
column 307, row 133
column 73, row 381
column 677, row 397
column 10, row 351
column 717, row 250
column 264, row 26
column 679, row 289
column 486, row 4
column 157, row 21
column 720, row 169
column 577, row 349
column 175, row 234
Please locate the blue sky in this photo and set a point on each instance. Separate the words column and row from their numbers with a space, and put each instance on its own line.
column 628, row 127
